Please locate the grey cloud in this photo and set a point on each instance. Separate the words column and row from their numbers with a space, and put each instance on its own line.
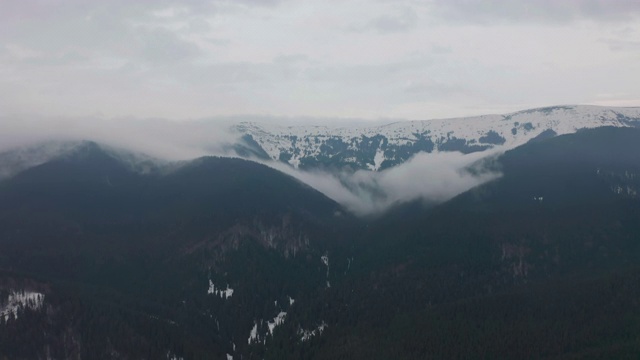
column 218, row 41
column 162, row 46
column 47, row 27
column 262, row 2
column 440, row 50
column 399, row 21
column 369, row 73
column 65, row 58
column 432, row 88
column 106, row 28
column 290, row 59
column 283, row 68
column 622, row 45
column 403, row 21
column 237, row 73
column 548, row 11
column 103, row 37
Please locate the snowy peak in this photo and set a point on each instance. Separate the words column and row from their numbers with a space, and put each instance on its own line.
column 379, row 147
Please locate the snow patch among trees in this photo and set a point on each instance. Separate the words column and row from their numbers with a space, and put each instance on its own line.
column 223, row 293
column 306, row 335
column 19, row 300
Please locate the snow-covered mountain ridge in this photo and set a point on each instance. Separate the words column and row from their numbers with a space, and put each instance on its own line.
column 380, row 147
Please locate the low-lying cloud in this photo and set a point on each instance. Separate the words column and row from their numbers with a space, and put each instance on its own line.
column 431, row 177
column 168, row 140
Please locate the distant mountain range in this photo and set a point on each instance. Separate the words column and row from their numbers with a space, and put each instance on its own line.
column 380, row 147
column 373, row 148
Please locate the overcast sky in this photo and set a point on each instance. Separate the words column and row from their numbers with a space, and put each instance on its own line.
column 321, row 58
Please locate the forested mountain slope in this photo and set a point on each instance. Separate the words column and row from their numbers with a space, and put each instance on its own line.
column 220, row 258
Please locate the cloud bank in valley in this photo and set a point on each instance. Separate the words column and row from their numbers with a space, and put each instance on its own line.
column 430, row 177
column 433, row 177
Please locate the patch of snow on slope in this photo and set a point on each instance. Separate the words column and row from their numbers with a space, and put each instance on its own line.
column 325, row 260
column 295, row 161
column 21, row 299
column 171, row 356
column 278, row 320
column 254, row 338
column 306, row 335
column 377, row 160
column 223, row 293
